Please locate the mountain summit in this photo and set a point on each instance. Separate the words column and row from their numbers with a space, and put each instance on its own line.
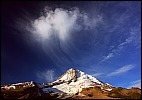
column 73, row 81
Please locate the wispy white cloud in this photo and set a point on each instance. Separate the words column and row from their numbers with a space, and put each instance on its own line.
column 133, row 39
column 121, row 70
column 110, row 55
column 61, row 22
column 55, row 29
column 97, row 74
column 136, row 83
column 46, row 76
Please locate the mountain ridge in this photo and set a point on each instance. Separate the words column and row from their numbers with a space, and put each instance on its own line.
column 71, row 84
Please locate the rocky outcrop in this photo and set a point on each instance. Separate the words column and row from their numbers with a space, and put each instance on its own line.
column 25, row 90
column 133, row 93
column 70, row 74
column 116, row 93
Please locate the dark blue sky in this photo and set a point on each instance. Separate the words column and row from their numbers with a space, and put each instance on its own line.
column 39, row 39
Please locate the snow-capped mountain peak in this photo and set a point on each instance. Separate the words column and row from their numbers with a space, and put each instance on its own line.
column 76, row 75
column 73, row 80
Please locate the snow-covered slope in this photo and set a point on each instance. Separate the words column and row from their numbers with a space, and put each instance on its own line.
column 18, row 85
column 74, row 80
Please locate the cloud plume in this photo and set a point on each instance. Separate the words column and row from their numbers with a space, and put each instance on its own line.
column 56, row 30
column 62, row 22
column 121, row 70
column 45, row 76
column 136, row 83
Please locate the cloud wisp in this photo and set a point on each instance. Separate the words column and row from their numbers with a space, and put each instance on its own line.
column 61, row 22
column 133, row 39
column 121, row 70
column 45, row 76
column 136, row 83
column 97, row 74
column 56, row 30
column 110, row 55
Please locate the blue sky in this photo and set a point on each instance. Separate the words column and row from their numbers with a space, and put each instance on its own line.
column 41, row 40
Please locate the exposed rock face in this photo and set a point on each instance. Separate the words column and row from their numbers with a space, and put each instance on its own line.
column 25, row 90
column 70, row 74
column 133, row 93
column 115, row 93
